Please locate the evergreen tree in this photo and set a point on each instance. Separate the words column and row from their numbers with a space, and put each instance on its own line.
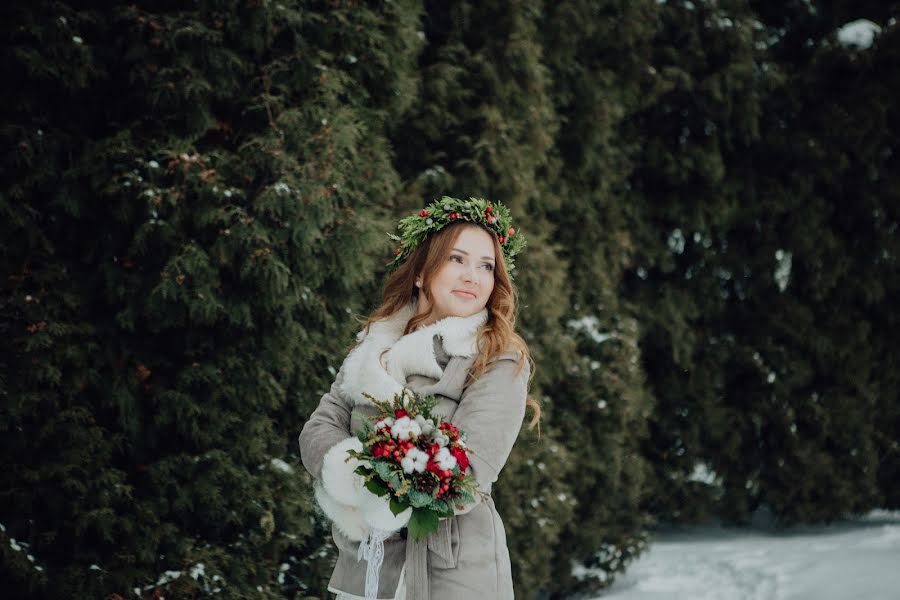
column 759, row 299
column 598, row 53
column 829, row 396
column 682, row 194
column 194, row 198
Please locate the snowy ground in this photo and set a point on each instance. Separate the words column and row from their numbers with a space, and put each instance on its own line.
column 847, row 561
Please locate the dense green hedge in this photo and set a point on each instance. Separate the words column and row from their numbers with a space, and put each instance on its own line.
column 192, row 213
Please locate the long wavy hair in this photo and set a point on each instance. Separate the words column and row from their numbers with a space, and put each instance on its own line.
column 495, row 337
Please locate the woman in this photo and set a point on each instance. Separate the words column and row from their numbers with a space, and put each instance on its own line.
column 445, row 327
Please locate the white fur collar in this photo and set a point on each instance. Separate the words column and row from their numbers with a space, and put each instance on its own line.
column 384, row 357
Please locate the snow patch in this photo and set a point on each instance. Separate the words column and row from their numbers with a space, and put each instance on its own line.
column 783, row 263
column 676, row 241
column 589, row 325
column 282, row 466
column 860, row 33
column 853, row 559
column 167, row 577
column 703, row 473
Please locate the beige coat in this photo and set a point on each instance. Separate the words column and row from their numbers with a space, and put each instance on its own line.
column 467, row 558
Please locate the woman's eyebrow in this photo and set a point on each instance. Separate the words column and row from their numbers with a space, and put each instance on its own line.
column 461, row 251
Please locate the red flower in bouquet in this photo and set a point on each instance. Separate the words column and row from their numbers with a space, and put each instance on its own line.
column 461, row 456
column 450, row 430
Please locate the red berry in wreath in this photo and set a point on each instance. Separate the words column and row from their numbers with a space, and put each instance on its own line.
column 424, row 213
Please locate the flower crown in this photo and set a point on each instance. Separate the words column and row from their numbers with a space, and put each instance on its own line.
column 493, row 216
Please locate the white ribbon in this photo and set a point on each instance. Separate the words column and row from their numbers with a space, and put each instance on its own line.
column 372, row 550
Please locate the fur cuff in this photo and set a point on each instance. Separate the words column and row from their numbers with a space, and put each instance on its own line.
column 347, row 519
column 377, row 513
column 338, row 477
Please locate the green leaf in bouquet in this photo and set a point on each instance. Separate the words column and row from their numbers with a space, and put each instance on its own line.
column 396, row 481
column 397, row 506
column 426, row 405
column 422, row 523
column 383, row 470
column 362, row 470
column 442, row 508
column 377, row 488
column 419, row 499
column 363, row 434
column 464, row 498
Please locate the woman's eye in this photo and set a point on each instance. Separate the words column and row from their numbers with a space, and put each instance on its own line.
column 456, row 257
column 487, row 266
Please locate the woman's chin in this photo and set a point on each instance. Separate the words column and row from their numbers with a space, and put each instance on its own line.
column 465, row 309
column 457, row 305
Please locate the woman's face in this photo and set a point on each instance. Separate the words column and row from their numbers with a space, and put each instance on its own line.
column 462, row 286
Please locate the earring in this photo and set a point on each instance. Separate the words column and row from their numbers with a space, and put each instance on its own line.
column 418, row 283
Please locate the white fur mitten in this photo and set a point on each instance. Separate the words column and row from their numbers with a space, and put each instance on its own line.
column 377, row 513
column 348, row 519
column 338, row 478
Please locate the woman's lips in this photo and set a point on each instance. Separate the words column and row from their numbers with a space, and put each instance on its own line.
column 464, row 293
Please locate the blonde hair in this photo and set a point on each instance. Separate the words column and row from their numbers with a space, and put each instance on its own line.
column 496, row 337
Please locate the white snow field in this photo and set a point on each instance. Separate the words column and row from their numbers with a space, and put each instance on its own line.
column 852, row 560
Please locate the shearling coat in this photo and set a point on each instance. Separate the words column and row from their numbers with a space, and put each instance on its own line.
column 467, row 557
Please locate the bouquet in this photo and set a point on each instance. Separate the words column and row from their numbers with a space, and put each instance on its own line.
column 417, row 459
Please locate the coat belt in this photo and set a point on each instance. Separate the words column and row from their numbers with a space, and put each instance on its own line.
column 416, row 574
column 417, row 552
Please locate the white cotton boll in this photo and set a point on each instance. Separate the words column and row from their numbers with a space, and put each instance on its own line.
column 445, row 460
column 408, row 464
column 404, row 428
column 426, row 425
column 386, row 422
column 441, row 439
column 415, row 460
column 421, row 462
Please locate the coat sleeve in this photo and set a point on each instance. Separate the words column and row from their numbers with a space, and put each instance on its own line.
column 324, row 441
column 490, row 413
column 327, row 426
